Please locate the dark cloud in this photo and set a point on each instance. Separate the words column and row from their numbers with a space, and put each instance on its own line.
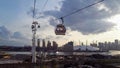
column 12, row 43
column 90, row 20
column 18, row 35
column 4, row 32
column 9, row 38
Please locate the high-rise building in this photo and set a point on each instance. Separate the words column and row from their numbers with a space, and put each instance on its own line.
column 82, row 43
column 68, row 46
column 49, row 47
column 93, row 44
column 116, row 42
column 55, row 45
column 101, row 46
column 109, row 45
column 38, row 42
column 43, row 45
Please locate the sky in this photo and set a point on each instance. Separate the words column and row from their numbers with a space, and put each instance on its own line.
column 100, row 22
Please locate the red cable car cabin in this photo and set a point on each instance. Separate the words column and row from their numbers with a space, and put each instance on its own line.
column 60, row 29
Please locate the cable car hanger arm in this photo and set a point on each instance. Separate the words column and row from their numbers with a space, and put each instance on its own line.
column 62, row 20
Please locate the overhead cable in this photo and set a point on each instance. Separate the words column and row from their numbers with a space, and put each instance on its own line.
column 34, row 9
column 80, row 9
column 44, row 6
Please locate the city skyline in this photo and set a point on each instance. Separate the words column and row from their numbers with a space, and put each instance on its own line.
column 52, row 46
column 100, row 22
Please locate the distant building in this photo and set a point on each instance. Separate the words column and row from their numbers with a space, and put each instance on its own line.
column 49, row 47
column 68, row 47
column 93, row 44
column 116, row 42
column 38, row 42
column 101, row 46
column 43, row 45
column 109, row 45
column 82, row 43
column 55, row 46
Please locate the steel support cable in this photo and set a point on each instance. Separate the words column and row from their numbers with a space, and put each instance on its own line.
column 81, row 9
column 42, row 9
column 34, row 9
column 44, row 6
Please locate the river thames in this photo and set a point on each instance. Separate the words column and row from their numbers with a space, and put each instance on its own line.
column 112, row 52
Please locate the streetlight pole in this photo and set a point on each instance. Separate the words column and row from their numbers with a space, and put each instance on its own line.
column 34, row 27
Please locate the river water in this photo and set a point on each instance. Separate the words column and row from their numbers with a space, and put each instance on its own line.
column 112, row 52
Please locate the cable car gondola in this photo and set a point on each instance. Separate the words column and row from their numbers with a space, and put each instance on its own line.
column 60, row 29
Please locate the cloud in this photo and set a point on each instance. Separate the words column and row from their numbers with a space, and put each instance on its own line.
column 18, row 35
column 89, row 21
column 4, row 32
column 9, row 38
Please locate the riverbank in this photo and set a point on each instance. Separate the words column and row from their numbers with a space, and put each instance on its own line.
column 63, row 61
